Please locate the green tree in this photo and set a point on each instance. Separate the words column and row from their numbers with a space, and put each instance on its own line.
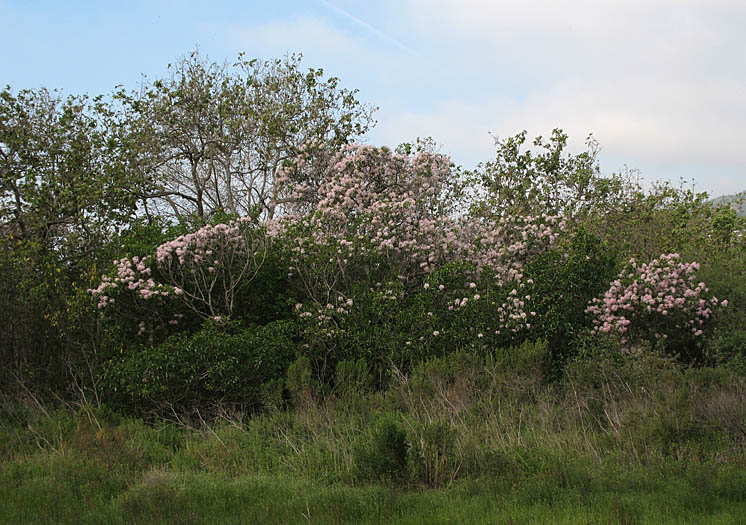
column 211, row 137
column 60, row 187
column 545, row 179
column 62, row 195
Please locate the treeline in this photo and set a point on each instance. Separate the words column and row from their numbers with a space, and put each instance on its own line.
column 220, row 237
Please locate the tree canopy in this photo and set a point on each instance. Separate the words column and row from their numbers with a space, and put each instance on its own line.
column 211, row 137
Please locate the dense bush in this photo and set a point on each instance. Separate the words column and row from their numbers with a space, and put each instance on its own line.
column 565, row 279
column 661, row 302
column 726, row 278
column 286, row 241
column 383, row 456
column 219, row 364
column 382, row 268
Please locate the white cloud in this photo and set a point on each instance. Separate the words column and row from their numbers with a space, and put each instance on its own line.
column 659, row 82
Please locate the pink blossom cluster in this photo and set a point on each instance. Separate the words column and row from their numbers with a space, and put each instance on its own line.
column 373, row 206
column 132, row 274
column 503, row 245
column 363, row 209
column 659, row 299
column 204, row 269
column 372, row 200
column 205, row 245
column 323, row 316
column 396, row 207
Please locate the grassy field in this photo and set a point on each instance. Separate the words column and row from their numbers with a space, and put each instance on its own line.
column 460, row 440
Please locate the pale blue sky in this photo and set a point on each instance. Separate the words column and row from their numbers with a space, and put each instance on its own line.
column 660, row 83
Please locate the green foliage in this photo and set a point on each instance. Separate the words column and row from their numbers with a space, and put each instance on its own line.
column 435, row 461
column 156, row 498
column 269, row 297
column 726, row 278
column 61, row 186
column 85, row 181
column 384, row 456
column 460, row 328
column 300, row 382
column 209, row 138
column 352, row 377
column 438, row 374
column 62, row 194
column 217, row 365
column 565, row 279
column 622, row 438
column 665, row 219
column 546, row 180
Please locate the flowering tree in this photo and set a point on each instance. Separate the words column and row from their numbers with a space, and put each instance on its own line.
column 377, row 229
column 371, row 204
column 400, row 210
column 658, row 301
column 203, row 271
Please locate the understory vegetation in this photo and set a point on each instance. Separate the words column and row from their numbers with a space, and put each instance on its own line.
column 220, row 306
column 462, row 438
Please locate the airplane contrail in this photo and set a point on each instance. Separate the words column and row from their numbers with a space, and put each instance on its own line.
column 380, row 34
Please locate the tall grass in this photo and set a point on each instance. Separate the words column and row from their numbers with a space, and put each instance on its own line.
column 460, row 439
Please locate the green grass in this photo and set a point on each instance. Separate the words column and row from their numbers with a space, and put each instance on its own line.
column 461, row 440
column 79, row 492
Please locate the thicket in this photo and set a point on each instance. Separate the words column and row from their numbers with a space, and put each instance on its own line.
column 219, row 239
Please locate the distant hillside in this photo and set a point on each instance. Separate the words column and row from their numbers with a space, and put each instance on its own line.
column 737, row 202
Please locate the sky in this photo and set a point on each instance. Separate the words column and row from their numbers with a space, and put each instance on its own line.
column 661, row 84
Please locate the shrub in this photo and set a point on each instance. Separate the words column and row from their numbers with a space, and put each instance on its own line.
column 436, row 462
column 300, row 381
column 564, row 279
column 380, row 258
column 726, row 277
column 383, row 457
column 199, row 274
column 218, row 364
column 661, row 302
column 352, row 377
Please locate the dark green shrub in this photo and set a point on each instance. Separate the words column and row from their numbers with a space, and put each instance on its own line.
column 353, row 377
column 269, row 297
column 726, row 278
column 299, row 381
column 383, row 456
column 434, row 454
column 565, row 279
column 432, row 377
column 218, row 364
